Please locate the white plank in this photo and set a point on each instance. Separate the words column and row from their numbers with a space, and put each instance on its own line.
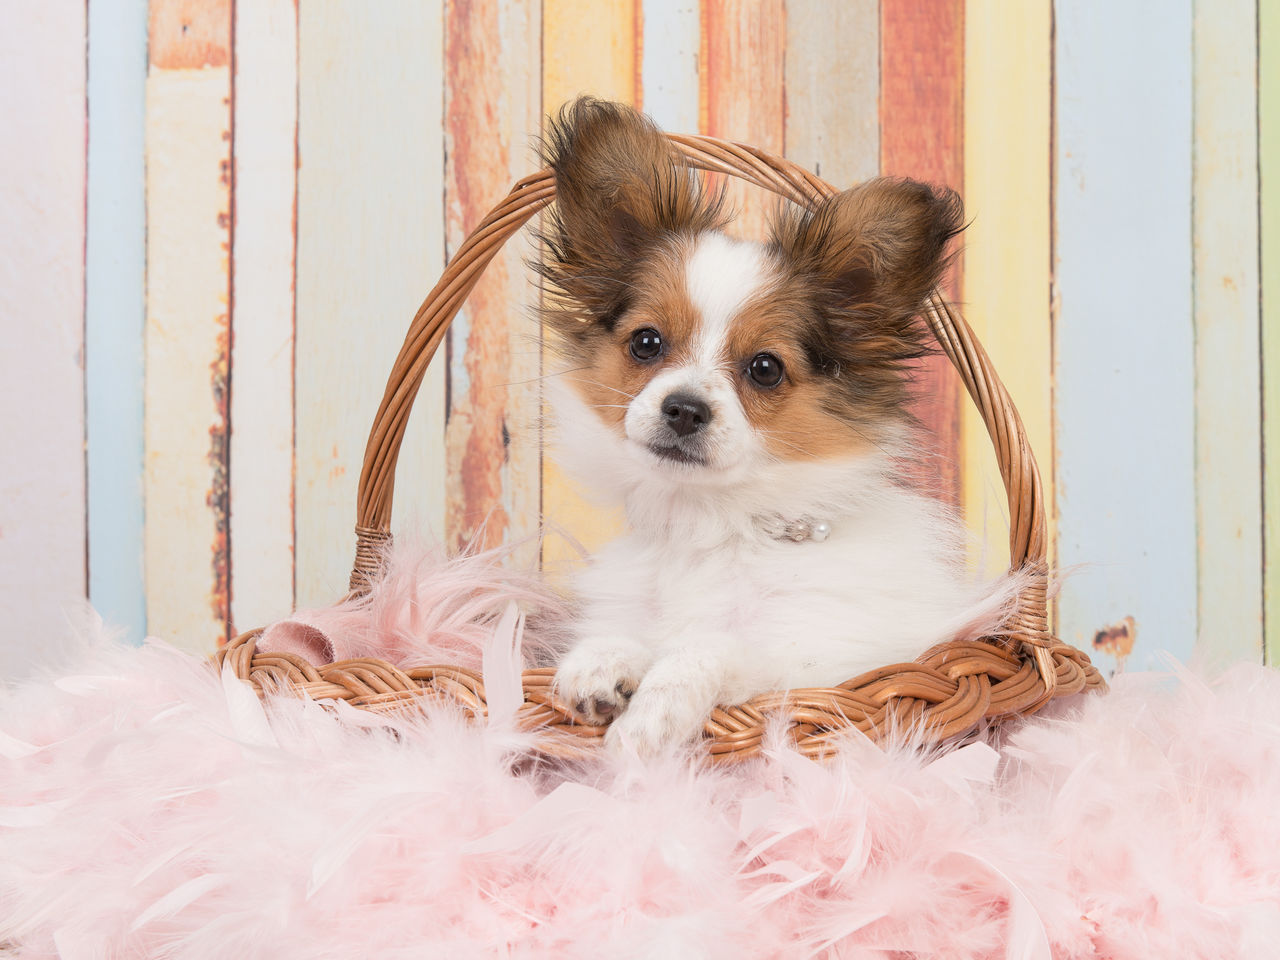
column 370, row 229
column 115, row 275
column 1227, row 333
column 671, row 38
column 833, row 88
column 1124, row 353
column 266, row 66
column 42, row 505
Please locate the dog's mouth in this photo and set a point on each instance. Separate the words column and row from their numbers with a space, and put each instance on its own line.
column 676, row 455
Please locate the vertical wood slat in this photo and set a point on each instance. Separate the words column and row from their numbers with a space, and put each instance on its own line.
column 265, row 142
column 1008, row 100
column 492, row 117
column 832, row 86
column 587, row 48
column 1124, row 387
column 743, row 69
column 115, row 311
column 1269, row 242
column 42, row 500
column 921, row 136
column 369, row 244
column 1228, row 426
column 671, row 38
column 187, row 337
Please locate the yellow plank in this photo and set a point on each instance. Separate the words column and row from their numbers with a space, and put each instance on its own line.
column 1007, row 116
column 1225, row 301
column 587, row 48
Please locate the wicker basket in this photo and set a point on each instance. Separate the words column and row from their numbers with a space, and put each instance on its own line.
column 948, row 692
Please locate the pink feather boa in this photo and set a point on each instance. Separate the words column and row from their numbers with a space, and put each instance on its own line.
column 150, row 807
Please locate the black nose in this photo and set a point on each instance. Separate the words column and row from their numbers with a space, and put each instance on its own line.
column 685, row 413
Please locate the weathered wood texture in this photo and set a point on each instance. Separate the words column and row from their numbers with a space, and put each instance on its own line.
column 670, row 41
column 115, row 311
column 1269, row 241
column 1228, row 425
column 492, row 119
column 370, row 230
column 921, row 136
column 744, row 44
column 586, row 48
column 832, row 121
column 1008, row 101
column 1124, row 352
column 187, row 335
column 42, row 494
column 265, row 143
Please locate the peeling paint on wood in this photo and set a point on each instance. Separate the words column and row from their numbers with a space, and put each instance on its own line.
column 491, row 438
column 1116, row 641
column 921, row 136
column 188, row 220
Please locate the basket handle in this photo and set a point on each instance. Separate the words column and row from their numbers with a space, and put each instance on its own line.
column 530, row 195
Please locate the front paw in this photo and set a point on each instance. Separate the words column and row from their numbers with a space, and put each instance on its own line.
column 598, row 681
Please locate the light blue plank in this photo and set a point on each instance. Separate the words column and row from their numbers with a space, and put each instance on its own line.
column 1124, row 400
column 669, row 70
column 115, row 266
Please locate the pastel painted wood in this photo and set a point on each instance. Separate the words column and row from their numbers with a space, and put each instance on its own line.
column 42, row 497
column 1124, row 351
column 1007, row 245
column 833, row 88
column 1269, row 243
column 265, row 141
column 370, row 220
column 921, row 136
column 744, row 51
column 1228, row 426
column 493, row 434
column 115, row 312
column 671, row 37
column 187, row 334
column 587, row 48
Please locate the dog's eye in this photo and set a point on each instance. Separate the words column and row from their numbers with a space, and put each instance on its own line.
column 646, row 344
column 765, row 369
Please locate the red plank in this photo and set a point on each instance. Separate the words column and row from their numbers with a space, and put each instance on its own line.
column 921, row 136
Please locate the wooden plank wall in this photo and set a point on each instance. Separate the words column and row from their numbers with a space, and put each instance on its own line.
column 309, row 167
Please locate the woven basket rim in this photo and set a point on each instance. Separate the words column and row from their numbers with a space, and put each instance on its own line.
column 946, row 693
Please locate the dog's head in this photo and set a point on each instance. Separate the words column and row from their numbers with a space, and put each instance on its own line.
column 709, row 355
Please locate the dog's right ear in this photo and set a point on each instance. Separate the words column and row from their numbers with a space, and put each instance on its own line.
column 620, row 189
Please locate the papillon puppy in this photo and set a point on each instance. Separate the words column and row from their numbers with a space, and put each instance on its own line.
column 746, row 403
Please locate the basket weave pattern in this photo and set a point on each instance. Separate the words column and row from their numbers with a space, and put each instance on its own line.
column 947, row 692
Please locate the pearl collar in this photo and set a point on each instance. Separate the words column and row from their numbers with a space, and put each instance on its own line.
column 796, row 530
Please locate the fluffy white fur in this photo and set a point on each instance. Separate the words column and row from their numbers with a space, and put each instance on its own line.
column 152, row 808
column 699, row 604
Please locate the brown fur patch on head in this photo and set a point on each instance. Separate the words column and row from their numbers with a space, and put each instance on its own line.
column 606, row 375
column 796, row 418
column 622, row 193
column 864, row 261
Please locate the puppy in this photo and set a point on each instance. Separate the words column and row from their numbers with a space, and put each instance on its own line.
column 746, row 403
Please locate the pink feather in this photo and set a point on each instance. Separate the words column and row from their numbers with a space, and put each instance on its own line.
column 151, row 807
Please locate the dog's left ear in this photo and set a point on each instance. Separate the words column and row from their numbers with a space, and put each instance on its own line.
column 875, row 250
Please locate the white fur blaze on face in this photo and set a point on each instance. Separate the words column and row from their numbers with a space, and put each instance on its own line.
column 721, row 276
